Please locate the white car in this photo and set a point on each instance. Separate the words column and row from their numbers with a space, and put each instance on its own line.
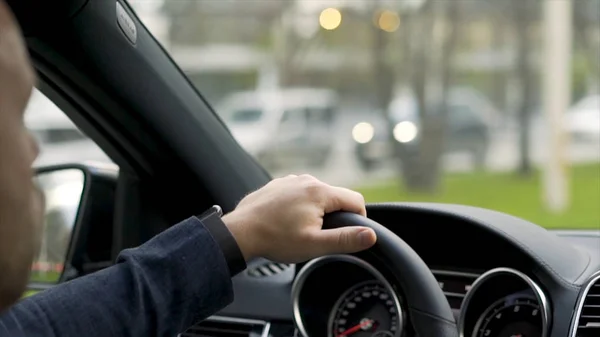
column 280, row 127
column 582, row 121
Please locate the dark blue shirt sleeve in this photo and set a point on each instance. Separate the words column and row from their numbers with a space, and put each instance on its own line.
column 158, row 289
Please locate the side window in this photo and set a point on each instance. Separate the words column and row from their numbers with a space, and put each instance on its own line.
column 59, row 139
column 462, row 115
column 321, row 117
column 60, row 142
column 294, row 118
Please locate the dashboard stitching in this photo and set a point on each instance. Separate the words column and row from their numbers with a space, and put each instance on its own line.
column 487, row 225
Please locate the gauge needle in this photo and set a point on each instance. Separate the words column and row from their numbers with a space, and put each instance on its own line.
column 355, row 328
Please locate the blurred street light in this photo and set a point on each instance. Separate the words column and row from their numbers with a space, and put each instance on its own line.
column 363, row 132
column 388, row 21
column 405, row 132
column 330, row 18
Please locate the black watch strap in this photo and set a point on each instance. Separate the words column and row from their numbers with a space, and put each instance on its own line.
column 211, row 219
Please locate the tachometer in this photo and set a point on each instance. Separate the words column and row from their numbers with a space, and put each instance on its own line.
column 366, row 310
column 511, row 317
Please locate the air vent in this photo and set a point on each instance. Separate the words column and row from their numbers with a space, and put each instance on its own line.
column 217, row 326
column 268, row 269
column 455, row 285
column 588, row 320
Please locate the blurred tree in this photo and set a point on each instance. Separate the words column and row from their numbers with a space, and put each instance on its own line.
column 587, row 22
column 228, row 21
column 499, row 31
column 523, row 14
column 429, row 40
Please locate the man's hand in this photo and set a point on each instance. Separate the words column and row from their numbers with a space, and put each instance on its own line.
column 282, row 221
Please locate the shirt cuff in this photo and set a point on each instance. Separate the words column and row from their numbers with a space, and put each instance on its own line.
column 231, row 250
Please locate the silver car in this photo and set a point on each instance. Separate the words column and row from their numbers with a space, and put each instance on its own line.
column 294, row 124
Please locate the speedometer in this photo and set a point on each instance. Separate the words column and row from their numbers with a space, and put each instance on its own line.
column 511, row 317
column 366, row 310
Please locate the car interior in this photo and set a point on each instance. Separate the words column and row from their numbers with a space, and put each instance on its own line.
column 437, row 269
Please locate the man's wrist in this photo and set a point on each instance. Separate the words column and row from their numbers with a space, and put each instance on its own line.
column 213, row 222
column 235, row 225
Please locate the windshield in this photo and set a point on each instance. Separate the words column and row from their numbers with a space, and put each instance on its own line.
column 465, row 102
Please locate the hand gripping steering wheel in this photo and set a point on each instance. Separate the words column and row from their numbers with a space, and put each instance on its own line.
column 428, row 308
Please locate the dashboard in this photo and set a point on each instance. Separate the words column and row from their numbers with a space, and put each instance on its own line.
column 502, row 277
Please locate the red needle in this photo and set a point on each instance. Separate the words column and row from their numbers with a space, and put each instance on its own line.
column 355, row 328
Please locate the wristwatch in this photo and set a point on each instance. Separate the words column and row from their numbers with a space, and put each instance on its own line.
column 211, row 219
column 214, row 210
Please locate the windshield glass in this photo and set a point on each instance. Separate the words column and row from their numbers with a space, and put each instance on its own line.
column 465, row 102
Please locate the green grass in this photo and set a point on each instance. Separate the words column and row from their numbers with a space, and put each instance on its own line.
column 41, row 277
column 29, row 293
column 44, row 277
column 508, row 193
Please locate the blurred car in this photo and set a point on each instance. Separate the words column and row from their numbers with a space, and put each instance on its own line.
column 59, row 139
column 469, row 120
column 582, row 121
column 280, row 127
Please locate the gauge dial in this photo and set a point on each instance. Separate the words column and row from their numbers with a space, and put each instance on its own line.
column 511, row 317
column 365, row 310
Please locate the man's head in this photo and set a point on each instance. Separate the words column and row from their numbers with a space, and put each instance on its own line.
column 21, row 203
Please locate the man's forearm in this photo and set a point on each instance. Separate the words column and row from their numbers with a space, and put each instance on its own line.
column 157, row 289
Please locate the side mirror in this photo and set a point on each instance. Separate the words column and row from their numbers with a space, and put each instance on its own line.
column 63, row 189
column 79, row 205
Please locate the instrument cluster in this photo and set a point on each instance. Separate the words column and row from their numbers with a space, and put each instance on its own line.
column 345, row 296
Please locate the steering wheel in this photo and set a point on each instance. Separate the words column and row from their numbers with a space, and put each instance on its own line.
column 428, row 308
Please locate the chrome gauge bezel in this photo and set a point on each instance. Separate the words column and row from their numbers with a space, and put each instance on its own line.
column 308, row 268
column 538, row 293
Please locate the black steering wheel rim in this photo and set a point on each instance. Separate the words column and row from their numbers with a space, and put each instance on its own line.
column 426, row 305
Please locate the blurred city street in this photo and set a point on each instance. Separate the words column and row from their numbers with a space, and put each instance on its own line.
column 343, row 169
